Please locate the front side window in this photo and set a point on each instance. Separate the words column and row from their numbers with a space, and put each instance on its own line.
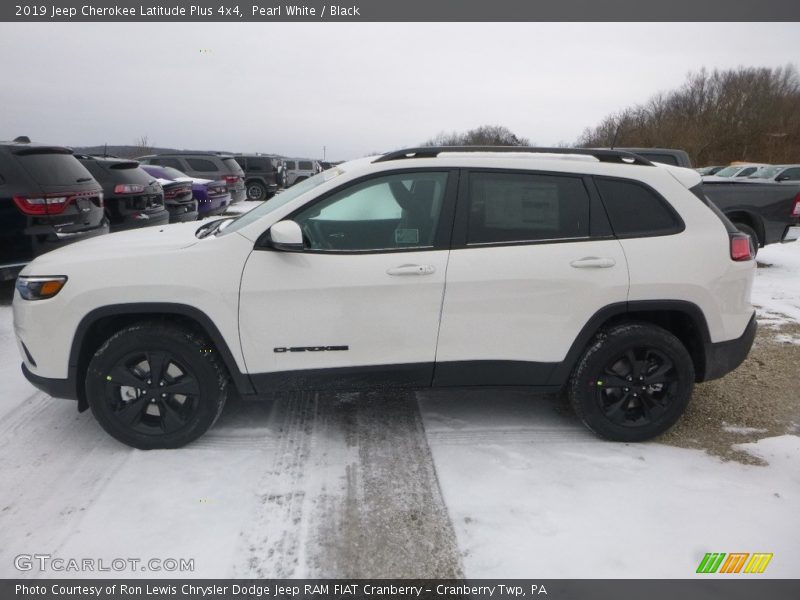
column 385, row 213
column 305, row 165
column 791, row 174
column 510, row 207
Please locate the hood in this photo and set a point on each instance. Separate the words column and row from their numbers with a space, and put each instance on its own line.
column 145, row 242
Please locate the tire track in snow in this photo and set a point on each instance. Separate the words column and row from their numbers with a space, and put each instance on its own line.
column 351, row 492
column 56, row 460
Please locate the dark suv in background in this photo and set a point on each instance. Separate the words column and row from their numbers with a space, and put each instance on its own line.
column 133, row 197
column 47, row 199
column 263, row 175
column 204, row 165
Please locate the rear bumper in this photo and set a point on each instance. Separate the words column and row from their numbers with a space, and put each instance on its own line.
column 183, row 212
column 58, row 388
column 142, row 219
column 724, row 357
column 791, row 234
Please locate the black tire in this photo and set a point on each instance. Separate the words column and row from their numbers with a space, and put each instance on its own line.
column 632, row 383
column 751, row 232
column 177, row 406
column 256, row 191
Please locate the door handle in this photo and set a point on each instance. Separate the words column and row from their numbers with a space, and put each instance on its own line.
column 593, row 262
column 404, row 270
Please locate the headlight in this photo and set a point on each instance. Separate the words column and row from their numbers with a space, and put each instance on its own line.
column 39, row 288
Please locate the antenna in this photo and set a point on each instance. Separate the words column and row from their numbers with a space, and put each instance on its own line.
column 616, row 133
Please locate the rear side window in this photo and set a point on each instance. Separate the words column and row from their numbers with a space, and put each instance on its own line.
column 290, row 165
column 167, row 162
column 258, row 164
column 200, row 164
column 54, row 169
column 510, row 207
column 636, row 210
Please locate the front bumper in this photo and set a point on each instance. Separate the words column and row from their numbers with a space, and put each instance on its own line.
column 724, row 357
column 58, row 388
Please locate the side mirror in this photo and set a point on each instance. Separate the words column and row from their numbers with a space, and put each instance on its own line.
column 286, row 236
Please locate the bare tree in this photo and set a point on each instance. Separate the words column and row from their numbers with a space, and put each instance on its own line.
column 485, row 135
column 748, row 113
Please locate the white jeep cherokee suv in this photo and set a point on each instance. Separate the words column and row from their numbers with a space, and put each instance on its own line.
column 593, row 271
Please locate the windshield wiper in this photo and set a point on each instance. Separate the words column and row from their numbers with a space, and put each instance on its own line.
column 211, row 227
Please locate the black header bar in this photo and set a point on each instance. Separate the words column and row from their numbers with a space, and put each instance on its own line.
column 400, row 11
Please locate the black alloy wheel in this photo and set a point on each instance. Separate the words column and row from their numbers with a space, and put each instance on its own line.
column 155, row 385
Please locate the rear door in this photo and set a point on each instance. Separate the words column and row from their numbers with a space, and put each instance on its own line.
column 533, row 259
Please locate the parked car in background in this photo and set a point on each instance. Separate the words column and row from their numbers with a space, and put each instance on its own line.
column 709, row 170
column 205, row 165
column 212, row 197
column 263, row 174
column 179, row 199
column 768, row 212
column 298, row 169
column 133, row 198
column 778, row 173
column 735, row 171
column 47, row 199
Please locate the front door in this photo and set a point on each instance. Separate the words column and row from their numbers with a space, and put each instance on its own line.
column 362, row 303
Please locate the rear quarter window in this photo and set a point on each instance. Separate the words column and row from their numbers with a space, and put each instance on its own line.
column 233, row 165
column 635, row 210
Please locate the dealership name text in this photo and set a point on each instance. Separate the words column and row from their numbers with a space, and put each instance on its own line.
column 202, row 591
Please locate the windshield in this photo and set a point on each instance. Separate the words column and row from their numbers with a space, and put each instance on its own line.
column 727, row 172
column 173, row 173
column 279, row 200
column 766, row 172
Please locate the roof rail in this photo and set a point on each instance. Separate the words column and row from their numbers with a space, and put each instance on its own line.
column 616, row 156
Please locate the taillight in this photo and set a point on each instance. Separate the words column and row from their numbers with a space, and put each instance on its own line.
column 796, row 209
column 741, row 247
column 175, row 192
column 128, row 188
column 43, row 205
column 231, row 179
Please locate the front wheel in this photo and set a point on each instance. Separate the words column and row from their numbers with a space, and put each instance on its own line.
column 632, row 383
column 156, row 386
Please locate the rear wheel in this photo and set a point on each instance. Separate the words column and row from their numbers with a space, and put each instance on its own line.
column 632, row 383
column 746, row 229
column 156, row 386
column 256, row 191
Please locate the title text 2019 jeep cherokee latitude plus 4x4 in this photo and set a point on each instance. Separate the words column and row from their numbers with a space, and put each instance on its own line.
column 587, row 269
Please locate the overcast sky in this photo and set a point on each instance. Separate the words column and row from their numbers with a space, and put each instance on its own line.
column 292, row 88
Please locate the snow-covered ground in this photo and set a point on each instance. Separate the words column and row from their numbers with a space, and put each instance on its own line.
column 483, row 483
